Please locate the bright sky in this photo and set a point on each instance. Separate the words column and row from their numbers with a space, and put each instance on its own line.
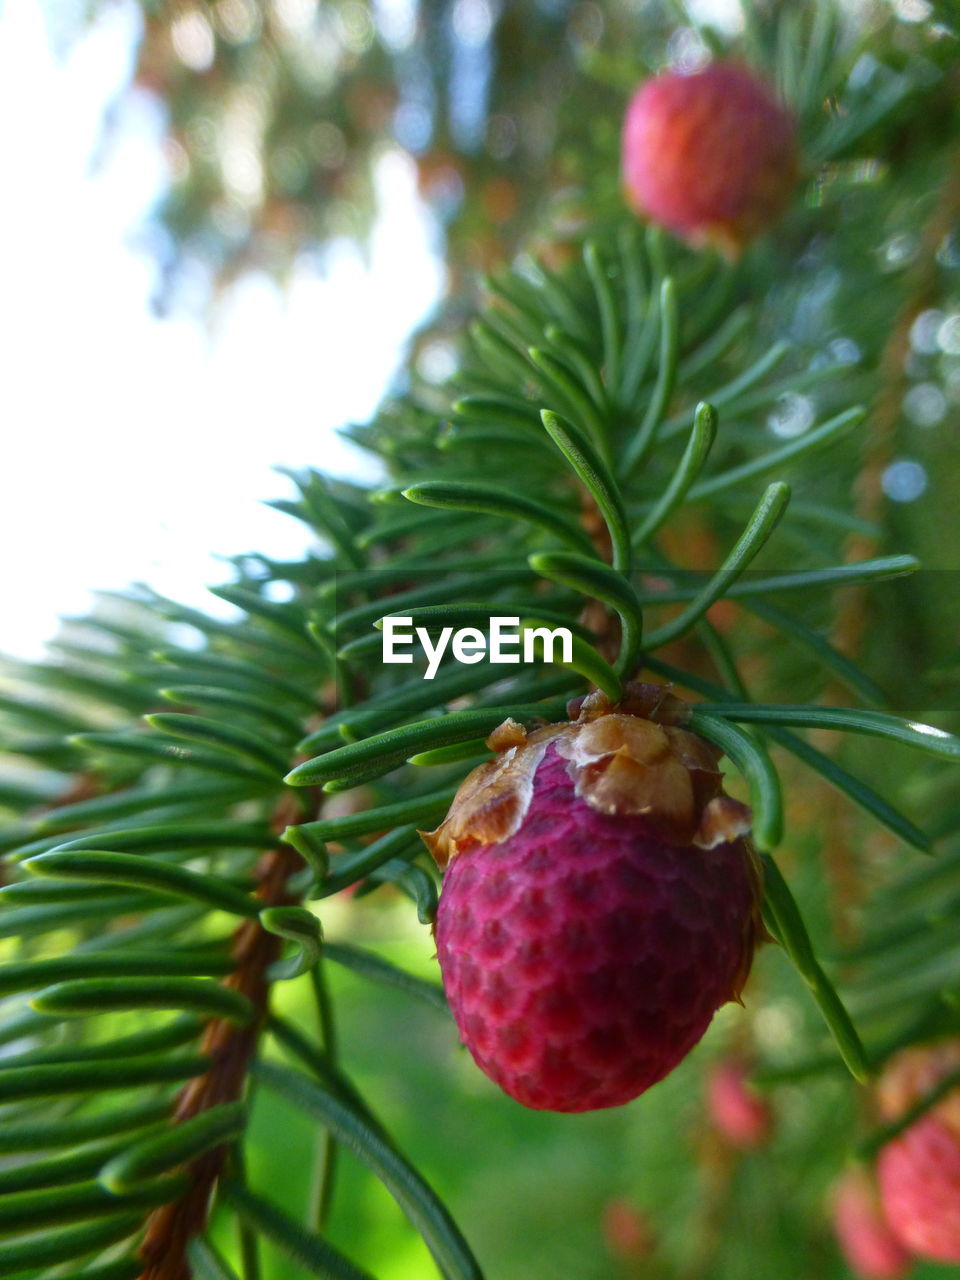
column 138, row 448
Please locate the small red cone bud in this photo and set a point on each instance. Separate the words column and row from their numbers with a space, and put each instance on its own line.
column 712, row 156
column 627, row 1231
column 919, row 1171
column 740, row 1115
column 871, row 1249
column 600, row 902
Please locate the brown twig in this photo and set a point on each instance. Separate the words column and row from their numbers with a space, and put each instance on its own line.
column 230, row 1048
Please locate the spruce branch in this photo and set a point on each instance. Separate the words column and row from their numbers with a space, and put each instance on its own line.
column 230, row 1049
column 603, row 409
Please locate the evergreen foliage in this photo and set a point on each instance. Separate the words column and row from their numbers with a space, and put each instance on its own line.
column 193, row 793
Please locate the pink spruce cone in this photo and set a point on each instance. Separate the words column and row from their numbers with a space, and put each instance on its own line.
column 871, row 1249
column 712, row 156
column 740, row 1115
column 919, row 1171
column 627, row 1232
column 600, row 902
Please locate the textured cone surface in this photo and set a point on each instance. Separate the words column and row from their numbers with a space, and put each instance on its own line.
column 711, row 156
column 584, row 956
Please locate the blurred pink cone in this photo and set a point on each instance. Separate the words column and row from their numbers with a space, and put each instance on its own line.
column 866, row 1241
column 740, row 1115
